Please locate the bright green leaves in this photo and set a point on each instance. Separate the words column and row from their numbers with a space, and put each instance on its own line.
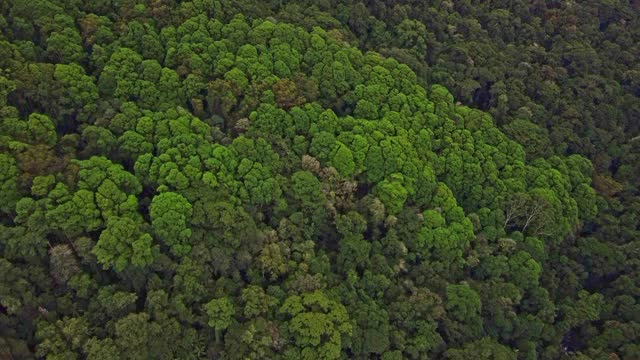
column 75, row 213
column 257, row 150
column 122, row 243
column 274, row 163
column 269, row 121
column 316, row 325
column 366, row 110
column 168, row 90
column 220, row 313
column 392, row 193
column 260, row 187
column 104, row 190
column 343, row 161
column 306, row 189
column 128, row 77
column 237, row 78
column 112, row 201
column 374, row 162
column 170, row 217
column 41, row 130
column 446, row 232
column 441, row 97
column 322, row 144
column 95, row 170
column 132, row 144
column 390, row 154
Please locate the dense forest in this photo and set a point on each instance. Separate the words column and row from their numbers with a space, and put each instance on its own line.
column 319, row 180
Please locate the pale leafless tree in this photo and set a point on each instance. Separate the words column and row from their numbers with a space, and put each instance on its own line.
column 528, row 212
column 514, row 208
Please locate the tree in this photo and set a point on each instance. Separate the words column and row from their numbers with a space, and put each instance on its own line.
column 257, row 302
column 63, row 263
column 392, row 194
column 306, row 199
column 79, row 93
column 464, row 306
column 587, row 308
column 105, row 349
column 220, row 312
column 63, row 338
column 316, row 325
column 287, row 94
column 119, row 76
column 372, row 333
column 415, row 319
column 354, row 253
column 306, row 188
column 8, row 183
column 41, row 130
column 273, row 259
column 74, row 213
column 534, row 138
column 122, row 243
column 170, row 216
column 133, row 334
column 343, row 161
column 524, row 270
column 100, row 141
column 65, row 46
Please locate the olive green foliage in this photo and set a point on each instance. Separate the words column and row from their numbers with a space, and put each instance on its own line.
column 201, row 179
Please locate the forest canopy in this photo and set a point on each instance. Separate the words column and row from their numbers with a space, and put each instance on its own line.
column 253, row 181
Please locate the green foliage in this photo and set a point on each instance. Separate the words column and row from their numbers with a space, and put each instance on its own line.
column 392, row 194
column 122, row 243
column 9, row 183
column 170, row 214
column 257, row 302
column 220, row 312
column 343, row 161
column 316, row 325
column 264, row 190
column 465, row 306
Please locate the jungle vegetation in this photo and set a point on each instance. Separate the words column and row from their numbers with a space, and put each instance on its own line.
column 319, row 180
